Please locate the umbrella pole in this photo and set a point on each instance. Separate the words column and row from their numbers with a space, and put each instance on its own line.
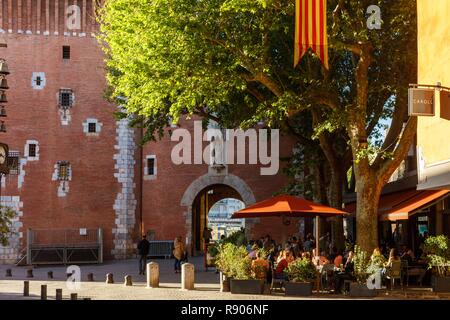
column 317, row 225
column 317, row 235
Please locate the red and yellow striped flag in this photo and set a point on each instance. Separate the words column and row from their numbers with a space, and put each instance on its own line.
column 311, row 29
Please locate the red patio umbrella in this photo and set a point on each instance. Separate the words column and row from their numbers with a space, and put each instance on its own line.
column 289, row 206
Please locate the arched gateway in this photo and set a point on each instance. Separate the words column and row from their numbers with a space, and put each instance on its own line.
column 199, row 197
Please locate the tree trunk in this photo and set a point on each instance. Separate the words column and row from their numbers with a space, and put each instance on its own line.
column 335, row 201
column 368, row 190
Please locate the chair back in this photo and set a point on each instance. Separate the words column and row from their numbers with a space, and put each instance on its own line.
column 396, row 269
column 328, row 267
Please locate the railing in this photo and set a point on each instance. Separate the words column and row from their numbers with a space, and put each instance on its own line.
column 63, row 246
column 161, row 248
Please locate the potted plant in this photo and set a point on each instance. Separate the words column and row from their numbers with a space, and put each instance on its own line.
column 211, row 254
column 437, row 251
column 223, row 262
column 235, row 265
column 361, row 263
column 301, row 274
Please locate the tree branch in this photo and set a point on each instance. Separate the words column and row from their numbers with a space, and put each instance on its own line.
column 385, row 169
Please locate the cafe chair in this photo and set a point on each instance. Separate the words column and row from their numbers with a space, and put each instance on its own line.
column 395, row 273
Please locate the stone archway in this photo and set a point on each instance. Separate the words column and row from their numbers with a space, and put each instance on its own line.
column 207, row 180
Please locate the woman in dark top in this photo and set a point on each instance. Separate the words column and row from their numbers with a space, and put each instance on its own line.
column 346, row 274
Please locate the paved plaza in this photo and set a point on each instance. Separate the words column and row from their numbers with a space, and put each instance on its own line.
column 206, row 284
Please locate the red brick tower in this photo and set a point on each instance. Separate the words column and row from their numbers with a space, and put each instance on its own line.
column 75, row 166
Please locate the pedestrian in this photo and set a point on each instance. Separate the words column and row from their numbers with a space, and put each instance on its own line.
column 178, row 253
column 143, row 250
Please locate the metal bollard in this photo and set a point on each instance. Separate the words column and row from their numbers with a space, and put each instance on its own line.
column 152, row 275
column 187, row 276
column 43, row 292
column 30, row 273
column 50, row 274
column 58, row 294
column 128, row 280
column 26, row 288
column 90, row 276
column 8, row 273
column 73, row 296
column 109, row 278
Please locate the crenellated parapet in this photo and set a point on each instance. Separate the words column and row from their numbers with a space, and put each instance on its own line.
column 49, row 17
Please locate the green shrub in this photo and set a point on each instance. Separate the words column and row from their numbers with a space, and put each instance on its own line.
column 213, row 250
column 234, row 262
column 437, row 251
column 301, row 270
column 361, row 264
column 6, row 222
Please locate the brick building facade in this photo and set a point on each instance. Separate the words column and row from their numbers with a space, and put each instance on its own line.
column 77, row 166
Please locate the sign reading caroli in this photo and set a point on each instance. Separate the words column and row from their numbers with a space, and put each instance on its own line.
column 421, row 102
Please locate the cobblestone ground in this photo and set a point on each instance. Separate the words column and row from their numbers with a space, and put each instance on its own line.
column 206, row 284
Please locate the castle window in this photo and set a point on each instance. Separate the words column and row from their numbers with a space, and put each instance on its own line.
column 65, row 98
column 13, row 162
column 32, row 150
column 38, row 80
column 151, row 167
column 150, row 170
column 92, row 127
column 63, row 171
column 66, row 52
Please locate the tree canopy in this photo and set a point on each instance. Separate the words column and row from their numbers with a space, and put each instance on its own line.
column 232, row 61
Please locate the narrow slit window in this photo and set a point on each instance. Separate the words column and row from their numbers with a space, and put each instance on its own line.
column 92, row 127
column 32, row 150
column 151, row 167
column 66, row 52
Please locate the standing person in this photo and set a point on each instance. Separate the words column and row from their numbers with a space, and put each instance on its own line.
column 178, row 253
column 308, row 244
column 143, row 250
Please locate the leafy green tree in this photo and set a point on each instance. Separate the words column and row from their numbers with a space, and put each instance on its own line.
column 232, row 61
column 6, row 217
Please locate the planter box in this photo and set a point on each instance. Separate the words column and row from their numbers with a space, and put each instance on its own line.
column 440, row 284
column 361, row 290
column 224, row 283
column 298, row 288
column 247, row 286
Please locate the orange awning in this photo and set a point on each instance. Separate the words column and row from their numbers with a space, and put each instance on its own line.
column 400, row 205
column 288, row 206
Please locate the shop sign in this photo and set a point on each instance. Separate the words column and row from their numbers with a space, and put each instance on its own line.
column 445, row 105
column 421, row 102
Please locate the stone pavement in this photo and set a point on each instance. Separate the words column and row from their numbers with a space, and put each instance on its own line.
column 206, row 284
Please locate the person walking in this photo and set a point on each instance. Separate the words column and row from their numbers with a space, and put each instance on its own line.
column 178, row 253
column 143, row 250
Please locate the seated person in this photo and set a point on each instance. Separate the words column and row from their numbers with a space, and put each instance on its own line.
column 333, row 254
column 408, row 256
column 283, row 264
column 290, row 256
column 346, row 274
column 393, row 257
column 260, row 266
column 322, row 259
column 338, row 260
column 252, row 254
